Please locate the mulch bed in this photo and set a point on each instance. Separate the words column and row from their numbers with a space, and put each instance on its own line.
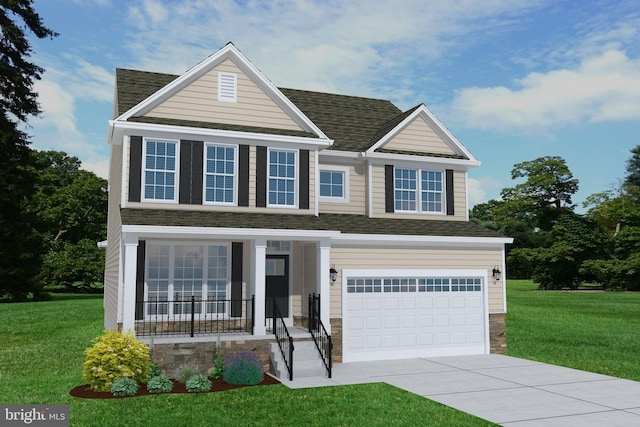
column 85, row 392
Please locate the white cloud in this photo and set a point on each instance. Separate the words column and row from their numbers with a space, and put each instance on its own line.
column 322, row 45
column 481, row 190
column 602, row 88
column 56, row 129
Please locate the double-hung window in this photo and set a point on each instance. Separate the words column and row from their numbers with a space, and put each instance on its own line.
column 160, row 170
column 282, row 178
column 418, row 190
column 176, row 273
column 220, row 174
column 334, row 184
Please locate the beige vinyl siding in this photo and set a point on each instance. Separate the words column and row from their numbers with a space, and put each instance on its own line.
column 416, row 259
column 460, row 199
column 199, row 102
column 112, row 255
column 419, row 137
column 357, row 195
column 252, row 193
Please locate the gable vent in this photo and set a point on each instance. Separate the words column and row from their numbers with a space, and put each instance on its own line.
column 227, row 87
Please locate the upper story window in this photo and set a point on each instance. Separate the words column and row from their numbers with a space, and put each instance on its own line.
column 220, row 174
column 417, row 190
column 334, row 184
column 160, row 170
column 281, row 188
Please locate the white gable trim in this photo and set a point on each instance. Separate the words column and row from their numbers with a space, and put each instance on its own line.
column 227, row 52
column 382, row 158
column 425, row 114
column 118, row 129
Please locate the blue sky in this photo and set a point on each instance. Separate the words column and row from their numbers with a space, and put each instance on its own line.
column 513, row 80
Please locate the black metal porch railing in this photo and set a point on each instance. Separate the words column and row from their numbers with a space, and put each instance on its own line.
column 192, row 316
column 323, row 341
column 284, row 339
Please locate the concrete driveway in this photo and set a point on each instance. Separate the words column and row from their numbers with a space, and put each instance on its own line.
column 502, row 389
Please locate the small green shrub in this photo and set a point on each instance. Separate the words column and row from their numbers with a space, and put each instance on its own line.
column 218, row 367
column 243, row 368
column 155, row 370
column 198, row 383
column 159, row 384
column 185, row 372
column 115, row 355
column 124, row 386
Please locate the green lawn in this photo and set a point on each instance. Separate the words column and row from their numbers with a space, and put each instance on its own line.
column 41, row 356
column 593, row 331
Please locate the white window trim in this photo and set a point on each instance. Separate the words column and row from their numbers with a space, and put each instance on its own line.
column 176, row 182
column 296, row 178
column 170, row 288
column 419, row 190
column 345, row 184
column 222, row 94
column 235, row 175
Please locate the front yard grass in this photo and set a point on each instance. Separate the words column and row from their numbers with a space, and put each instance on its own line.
column 42, row 352
column 591, row 330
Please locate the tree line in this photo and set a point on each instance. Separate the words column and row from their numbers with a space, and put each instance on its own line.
column 554, row 245
column 52, row 213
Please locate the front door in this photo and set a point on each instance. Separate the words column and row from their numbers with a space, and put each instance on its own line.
column 277, row 283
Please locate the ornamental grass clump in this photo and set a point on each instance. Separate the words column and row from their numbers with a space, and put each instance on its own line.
column 243, row 368
column 115, row 355
column 124, row 387
column 160, row 384
column 185, row 372
column 198, row 383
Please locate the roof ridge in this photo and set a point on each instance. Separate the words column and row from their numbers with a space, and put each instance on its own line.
column 392, row 123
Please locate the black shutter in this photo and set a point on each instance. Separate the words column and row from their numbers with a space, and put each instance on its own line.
column 236, row 279
column 243, row 175
column 135, row 168
column 389, row 202
column 190, row 172
column 261, row 177
column 449, row 191
column 197, row 153
column 303, row 183
column 140, row 280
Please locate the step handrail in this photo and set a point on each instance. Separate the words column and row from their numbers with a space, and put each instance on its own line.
column 283, row 338
column 318, row 332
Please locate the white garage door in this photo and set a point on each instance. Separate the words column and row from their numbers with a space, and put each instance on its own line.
column 402, row 317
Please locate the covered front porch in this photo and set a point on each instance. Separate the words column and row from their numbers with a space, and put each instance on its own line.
column 190, row 283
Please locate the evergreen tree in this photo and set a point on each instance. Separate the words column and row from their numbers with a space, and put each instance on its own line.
column 19, row 253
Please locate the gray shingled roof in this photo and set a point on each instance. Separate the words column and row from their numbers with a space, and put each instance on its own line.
column 354, row 123
column 351, row 121
column 349, row 224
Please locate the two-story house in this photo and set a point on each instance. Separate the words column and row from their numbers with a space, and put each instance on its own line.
column 227, row 193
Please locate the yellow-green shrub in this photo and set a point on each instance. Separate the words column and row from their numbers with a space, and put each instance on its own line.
column 115, row 355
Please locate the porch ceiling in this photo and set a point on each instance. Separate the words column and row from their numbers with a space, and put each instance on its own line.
column 347, row 224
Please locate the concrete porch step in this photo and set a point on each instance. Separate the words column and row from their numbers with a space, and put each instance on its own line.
column 306, row 361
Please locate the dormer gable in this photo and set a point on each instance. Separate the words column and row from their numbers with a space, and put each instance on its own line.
column 226, row 88
column 418, row 132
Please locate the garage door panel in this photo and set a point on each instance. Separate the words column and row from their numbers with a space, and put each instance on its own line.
column 391, row 322
column 415, row 321
column 409, row 303
column 442, row 302
column 374, row 303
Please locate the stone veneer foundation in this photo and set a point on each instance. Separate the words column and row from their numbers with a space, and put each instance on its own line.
column 497, row 333
column 170, row 356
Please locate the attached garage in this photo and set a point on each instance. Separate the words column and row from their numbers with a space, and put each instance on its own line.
column 395, row 314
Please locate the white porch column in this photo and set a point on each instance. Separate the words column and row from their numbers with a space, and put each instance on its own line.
column 129, row 288
column 324, row 252
column 259, row 257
